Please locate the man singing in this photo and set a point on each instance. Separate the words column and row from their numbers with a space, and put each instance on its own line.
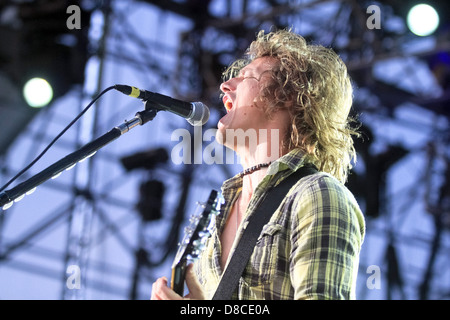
column 296, row 99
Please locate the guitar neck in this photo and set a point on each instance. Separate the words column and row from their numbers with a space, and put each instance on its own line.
column 177, row 281
column 194, row 241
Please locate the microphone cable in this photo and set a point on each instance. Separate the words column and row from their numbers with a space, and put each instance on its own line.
column 56, row 139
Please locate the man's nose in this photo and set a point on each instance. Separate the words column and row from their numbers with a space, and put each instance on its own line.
column 227, row 86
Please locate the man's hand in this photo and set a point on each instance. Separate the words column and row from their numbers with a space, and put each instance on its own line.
column 161, row 291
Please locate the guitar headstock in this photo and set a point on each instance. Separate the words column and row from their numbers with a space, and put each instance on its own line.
column 198, row 231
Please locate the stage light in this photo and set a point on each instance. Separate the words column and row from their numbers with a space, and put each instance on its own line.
column 38, row 93
column 151, row 200
column 422, row 20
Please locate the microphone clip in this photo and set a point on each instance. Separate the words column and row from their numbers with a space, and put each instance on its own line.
column 148, row 114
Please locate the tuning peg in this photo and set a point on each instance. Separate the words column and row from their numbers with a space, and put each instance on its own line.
column 201, row 204
column 193, row 219
column 204, row 233
column 199, row 244
column 188, row 231
column 192, row 257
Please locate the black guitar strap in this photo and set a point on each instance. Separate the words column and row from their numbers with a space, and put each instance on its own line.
column 259, row 218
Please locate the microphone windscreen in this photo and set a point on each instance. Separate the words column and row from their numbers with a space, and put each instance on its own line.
column 200, row 114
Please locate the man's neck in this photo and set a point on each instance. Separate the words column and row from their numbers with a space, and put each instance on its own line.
column 262, row 154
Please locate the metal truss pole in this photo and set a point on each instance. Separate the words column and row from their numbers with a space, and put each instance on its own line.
column 84, row 203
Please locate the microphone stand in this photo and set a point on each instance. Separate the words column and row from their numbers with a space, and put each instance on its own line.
column 8, row 197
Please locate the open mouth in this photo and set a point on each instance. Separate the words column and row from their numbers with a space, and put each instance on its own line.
column 228, row 106
column 227, row 103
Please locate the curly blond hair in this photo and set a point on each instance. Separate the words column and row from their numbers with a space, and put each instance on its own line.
column 312, row 82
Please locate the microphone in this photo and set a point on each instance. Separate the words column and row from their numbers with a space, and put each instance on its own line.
column 196, row 113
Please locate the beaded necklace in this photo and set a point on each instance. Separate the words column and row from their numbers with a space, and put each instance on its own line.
column 243, row 173
column 254, row 168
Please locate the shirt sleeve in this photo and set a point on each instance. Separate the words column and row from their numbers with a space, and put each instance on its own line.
column 326, row 236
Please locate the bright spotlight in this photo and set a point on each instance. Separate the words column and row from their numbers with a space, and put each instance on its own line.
column 422, row 20
column 37, row 93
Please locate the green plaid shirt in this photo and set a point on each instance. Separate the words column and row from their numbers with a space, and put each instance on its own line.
column 308, row 250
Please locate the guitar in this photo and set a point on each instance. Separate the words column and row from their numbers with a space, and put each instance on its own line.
column 194, row 240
